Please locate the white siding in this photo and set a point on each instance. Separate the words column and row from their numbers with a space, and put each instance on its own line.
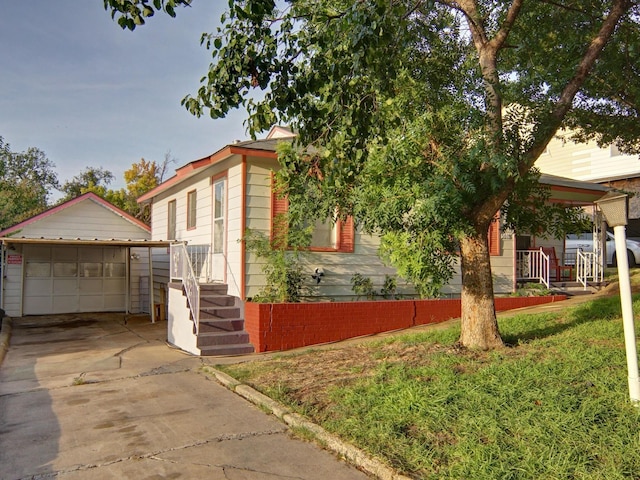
column 86, row 220
column 12, row 286
column 586, row 161
column 340, row 267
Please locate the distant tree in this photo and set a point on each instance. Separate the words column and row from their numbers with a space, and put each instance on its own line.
column 26, row 178
column 139, row 179
column 87, row 180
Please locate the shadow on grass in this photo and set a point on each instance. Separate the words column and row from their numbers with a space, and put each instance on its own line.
column 600, row 309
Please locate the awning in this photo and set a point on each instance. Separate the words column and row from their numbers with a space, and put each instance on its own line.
column 113, row 242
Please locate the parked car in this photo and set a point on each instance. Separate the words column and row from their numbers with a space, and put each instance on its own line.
column 584, row 241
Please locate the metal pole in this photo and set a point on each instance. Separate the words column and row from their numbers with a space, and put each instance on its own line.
column 627, row 312
column 151, row 299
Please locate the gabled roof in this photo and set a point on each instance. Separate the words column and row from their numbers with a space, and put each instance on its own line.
column 265, row 148
column 89, row 196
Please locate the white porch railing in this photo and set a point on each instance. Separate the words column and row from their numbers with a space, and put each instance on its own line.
column 532, row 265
column 588, row 268
column 180, row 267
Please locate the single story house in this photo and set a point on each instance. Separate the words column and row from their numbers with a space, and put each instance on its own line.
column 212, row 201
column 84, row 255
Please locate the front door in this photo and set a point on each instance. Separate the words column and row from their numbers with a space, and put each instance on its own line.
column 219, row 230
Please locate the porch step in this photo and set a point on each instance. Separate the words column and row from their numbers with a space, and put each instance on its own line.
column 213, row 289
column 207, row 339
column 574, row 288
column 219, row 312
column 214, row 350
column 209, row 300
column 221, row 325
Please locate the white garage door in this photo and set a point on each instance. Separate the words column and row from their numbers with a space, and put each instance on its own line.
column 66, row 279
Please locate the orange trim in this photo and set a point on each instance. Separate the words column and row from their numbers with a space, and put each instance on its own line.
column 243, row 227
column 216, row 157
column 69, row 203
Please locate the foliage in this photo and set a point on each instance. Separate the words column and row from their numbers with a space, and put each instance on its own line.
column 532, row 290
column 140, row 178
column 362, row 286
column 26, row 178
column 554, row 405
column 87, row 180
column 282, row 254
column 131, row 13
column 426, row 116
column 389, row 287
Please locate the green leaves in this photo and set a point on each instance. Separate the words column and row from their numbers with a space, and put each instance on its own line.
column 131, row 13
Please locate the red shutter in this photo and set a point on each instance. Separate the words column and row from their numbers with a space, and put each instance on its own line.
column 494, row 235
column 279, row 206
column 346, row 235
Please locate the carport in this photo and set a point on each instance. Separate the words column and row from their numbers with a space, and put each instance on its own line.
column 53, row 276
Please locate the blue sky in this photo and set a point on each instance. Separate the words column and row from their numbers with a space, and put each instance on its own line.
column 87, row 93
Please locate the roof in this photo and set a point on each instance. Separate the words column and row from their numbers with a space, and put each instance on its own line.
column 265, row 148
column 58, row 208
column 574, row 192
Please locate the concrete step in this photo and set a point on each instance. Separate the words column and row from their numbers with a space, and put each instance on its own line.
column 218, row 311
column 221, row 325
column 239, row 349
column 207, row 300
column 206, row 339
column 213, row 288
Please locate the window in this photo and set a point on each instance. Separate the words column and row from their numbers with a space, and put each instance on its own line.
column 191, row 209
column 327, row 236
column 171, row 221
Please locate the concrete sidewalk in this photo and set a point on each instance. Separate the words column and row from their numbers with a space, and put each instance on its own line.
column 103, row 396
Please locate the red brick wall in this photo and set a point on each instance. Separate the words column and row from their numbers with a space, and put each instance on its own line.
column 283, row 326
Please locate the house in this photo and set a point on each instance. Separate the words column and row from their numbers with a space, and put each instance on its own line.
column 212, row 201
column 84, row 255
column 603, row 165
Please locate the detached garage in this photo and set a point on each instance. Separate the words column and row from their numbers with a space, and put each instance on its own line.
column 85, row 255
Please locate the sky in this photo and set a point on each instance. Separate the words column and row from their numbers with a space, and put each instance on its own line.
column 87, row 93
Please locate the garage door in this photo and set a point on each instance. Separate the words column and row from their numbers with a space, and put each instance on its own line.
column 64, row 279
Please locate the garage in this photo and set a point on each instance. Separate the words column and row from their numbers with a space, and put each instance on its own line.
column 84, row 255
column 69, row 279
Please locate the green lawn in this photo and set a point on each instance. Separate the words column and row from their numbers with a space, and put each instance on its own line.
column 553, row 405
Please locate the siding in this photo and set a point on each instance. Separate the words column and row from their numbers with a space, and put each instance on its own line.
column 340, row 267
column 586, row 161
column 12, row 286
column 87, row 220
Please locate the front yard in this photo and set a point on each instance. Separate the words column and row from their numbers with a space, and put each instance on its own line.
column 554, row 404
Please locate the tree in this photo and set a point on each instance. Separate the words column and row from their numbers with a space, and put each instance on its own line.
column 26, row 178
column 90, row 179
column 425, row 118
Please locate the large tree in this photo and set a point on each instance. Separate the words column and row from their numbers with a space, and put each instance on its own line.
column 423, row 118
column 26, row 180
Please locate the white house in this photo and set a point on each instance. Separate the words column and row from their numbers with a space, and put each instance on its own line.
column 84, row 255
column 211, row 202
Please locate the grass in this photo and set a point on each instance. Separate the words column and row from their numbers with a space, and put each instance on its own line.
column 553, row 405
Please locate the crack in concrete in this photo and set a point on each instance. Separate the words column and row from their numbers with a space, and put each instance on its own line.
column 155, row 455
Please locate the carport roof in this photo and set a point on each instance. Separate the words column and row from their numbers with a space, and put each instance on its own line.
column 113, row 242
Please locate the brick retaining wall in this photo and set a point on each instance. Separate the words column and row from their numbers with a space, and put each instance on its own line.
column 283, row 326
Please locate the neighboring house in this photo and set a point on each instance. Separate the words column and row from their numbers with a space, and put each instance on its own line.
column 211, row 202
column 588, row 162
column 84, row 255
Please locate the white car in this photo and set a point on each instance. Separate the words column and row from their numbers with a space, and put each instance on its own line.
column 584, row 242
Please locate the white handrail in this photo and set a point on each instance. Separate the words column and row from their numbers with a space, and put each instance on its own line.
column 181, row 269
column 532, row 265
column 588, row 268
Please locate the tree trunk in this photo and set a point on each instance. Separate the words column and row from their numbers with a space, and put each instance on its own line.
column 479, row 327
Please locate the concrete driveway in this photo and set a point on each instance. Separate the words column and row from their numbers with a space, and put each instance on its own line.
column 103, row 396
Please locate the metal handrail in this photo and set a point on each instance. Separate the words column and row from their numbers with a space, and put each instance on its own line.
column 588, row 267
column 532, row 265
column 181, row 269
